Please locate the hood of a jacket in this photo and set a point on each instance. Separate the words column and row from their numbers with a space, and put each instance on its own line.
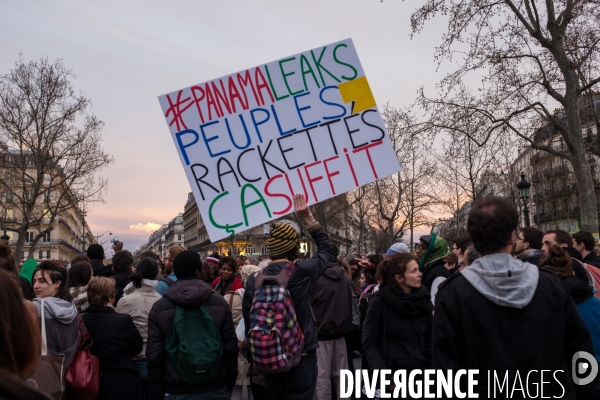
column 61, row 310
column 335, row 272
column 503, row 279
column 189, row 292
column 579, row 291
column 530, row 254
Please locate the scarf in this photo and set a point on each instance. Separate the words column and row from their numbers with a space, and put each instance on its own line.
column 438, row 248
column 409, row 305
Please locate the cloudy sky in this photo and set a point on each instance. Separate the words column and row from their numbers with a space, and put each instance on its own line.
column 126, row 53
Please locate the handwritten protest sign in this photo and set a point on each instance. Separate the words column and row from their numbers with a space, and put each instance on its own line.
column 249, row 141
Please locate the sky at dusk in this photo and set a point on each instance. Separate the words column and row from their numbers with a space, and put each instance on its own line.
column 127, row 53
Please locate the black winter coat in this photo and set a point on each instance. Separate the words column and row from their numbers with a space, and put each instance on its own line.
column 121, row 280
column 332, row 301
column 300, row 285
column 102, row 270
column 472, row 332
column 397, row 334
column 433, row 271
column 162, row 375
column 592, row 259
column 116, row 341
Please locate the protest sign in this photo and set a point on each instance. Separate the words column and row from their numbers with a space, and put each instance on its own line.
column 249, row 141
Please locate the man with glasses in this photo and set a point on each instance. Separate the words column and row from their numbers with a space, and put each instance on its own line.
column 528, row 246
column 460, row 244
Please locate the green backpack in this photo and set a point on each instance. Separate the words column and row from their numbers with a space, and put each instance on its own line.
column 194, row 345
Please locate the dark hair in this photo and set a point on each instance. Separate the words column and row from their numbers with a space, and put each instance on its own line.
column 375, row 259
column 451, row 258
column 368, row 276
column 19, row 334
column 557, row 260
column 148, row 254
column 586, row 238
column 462, row 242
column 206, row 273
column 55, row 273
column 147, row 268
column 472, row 255
column 79, row 274
column 121, row 261
column 7, row 260
column 392, row 266
column 80, row 257
column 492, row 220
column 229, row 261
column 533, row 236
column 562, row 237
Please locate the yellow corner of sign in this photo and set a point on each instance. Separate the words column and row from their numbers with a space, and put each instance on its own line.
column 359, row 92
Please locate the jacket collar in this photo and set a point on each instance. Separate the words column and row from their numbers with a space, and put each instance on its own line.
column 102, row 309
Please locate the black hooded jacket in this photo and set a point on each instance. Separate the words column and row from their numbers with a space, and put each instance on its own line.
column 433, row 271
column 397, row 330
column 162, row 375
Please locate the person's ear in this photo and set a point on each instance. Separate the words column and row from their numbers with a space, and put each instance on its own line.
column 197, row 274
column 399, row 278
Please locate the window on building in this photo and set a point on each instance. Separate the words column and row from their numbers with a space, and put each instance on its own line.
column 47, row 254
column 249, row 249
column 41, row 255
column 46, row 237
column 236, row 250
column 265, row 249
column 178, row 237
column 29, row 237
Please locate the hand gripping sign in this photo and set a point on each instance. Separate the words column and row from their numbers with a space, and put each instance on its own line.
column 249, row 141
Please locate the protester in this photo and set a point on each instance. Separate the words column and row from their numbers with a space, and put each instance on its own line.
column 333, row 323
column 19, row 344
column 563, row 239
column 95, row 252
column 234, row 299
column 367, row 290
column 60, row 315
column 138, row 298
column 431, row 252
column 229, row 280
column 122, row 264
column 528, row 247
column 459, row 246
column 7, row 263
column 299, row 382
column 213, row 261
column 190, row 293
column 559, row 261
column 116, row 340
column 396, row 248
column 480, row 310
column 451, row 264
column 470, row 256
column 27, row 269
column 397, row 329
column 169, row 278
column 597, row 248
column 584, row 243
column 79, row 276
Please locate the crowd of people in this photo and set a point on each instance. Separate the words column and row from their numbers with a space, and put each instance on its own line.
column 501, row 298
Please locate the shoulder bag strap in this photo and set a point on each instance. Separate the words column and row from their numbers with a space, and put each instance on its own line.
column 43, row 335
column 231, row 300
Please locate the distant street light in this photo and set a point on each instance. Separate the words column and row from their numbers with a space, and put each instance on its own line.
column 523, row 187
column 99, row 236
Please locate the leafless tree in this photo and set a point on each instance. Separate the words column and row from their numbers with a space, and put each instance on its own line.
column 51, row 152
column 531, row 57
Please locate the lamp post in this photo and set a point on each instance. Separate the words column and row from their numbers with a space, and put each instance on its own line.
column 523, row 187
column 5, row 237
column 99, row 236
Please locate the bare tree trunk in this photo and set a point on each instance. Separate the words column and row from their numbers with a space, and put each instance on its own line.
column 20, row 243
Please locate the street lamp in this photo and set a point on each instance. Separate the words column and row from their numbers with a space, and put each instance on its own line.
column 5, row 237
column 99, row 236
column 523, row 187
